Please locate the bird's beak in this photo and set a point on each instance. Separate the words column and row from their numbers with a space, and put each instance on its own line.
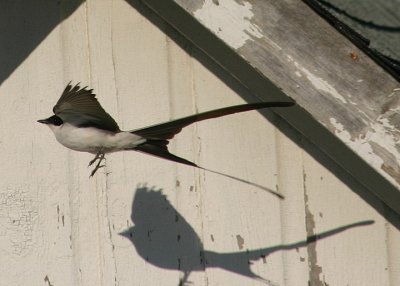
column 44, row 121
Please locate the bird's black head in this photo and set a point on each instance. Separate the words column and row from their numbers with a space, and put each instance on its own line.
column 53, row 120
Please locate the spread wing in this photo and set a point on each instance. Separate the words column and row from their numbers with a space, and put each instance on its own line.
column 79, row 107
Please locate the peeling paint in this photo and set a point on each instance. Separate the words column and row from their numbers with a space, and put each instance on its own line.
column 392, row 103
column 381, row 134
column 18, row 215
column 315, row 270
column 316, row 81
column 229, row 20
column 240, row 241
column 392, row 171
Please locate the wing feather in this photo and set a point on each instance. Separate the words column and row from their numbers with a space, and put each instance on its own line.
column 79, row 106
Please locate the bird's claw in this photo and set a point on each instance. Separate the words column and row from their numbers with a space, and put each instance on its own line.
column 100, row 157
column 94, row 159
column 95, row 170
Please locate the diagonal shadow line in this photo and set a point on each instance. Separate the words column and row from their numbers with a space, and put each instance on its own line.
column 368, row 184
column 24, row 25
column 163, row 238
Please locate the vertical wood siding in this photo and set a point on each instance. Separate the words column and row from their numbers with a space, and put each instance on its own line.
column 142, row 218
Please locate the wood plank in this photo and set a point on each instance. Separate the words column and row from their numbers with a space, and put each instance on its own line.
column 58, row 227
column 347, row 107
column 329, row 204
column 236, row 216
column 293, row 220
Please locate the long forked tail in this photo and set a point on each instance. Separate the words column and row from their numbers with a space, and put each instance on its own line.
column 159, row 148
column 158, row 135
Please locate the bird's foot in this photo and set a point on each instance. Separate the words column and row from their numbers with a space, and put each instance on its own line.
column 100, row 157
column 94, row 159
column 95, row 170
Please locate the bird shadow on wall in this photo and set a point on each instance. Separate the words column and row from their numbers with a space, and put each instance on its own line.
column 163, row 238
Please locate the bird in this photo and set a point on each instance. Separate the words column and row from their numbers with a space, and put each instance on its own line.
column 80, row 123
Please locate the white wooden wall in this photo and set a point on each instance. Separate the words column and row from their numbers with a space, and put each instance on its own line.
column 58, row 227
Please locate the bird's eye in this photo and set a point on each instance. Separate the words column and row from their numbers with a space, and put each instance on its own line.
column 57, row 120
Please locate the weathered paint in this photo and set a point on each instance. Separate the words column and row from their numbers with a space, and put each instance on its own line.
column 59, row 227
column 372, row 142
column 230, row 20
column 331, row 77
column 316, row 271
column 317, row 82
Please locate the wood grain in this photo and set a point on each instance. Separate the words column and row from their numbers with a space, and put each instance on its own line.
column 285, row 49
column 141, row 219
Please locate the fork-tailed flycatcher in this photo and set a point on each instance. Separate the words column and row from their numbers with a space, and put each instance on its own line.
column 81, row 124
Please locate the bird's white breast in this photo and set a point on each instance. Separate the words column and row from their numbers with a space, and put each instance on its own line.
column 93, row 140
